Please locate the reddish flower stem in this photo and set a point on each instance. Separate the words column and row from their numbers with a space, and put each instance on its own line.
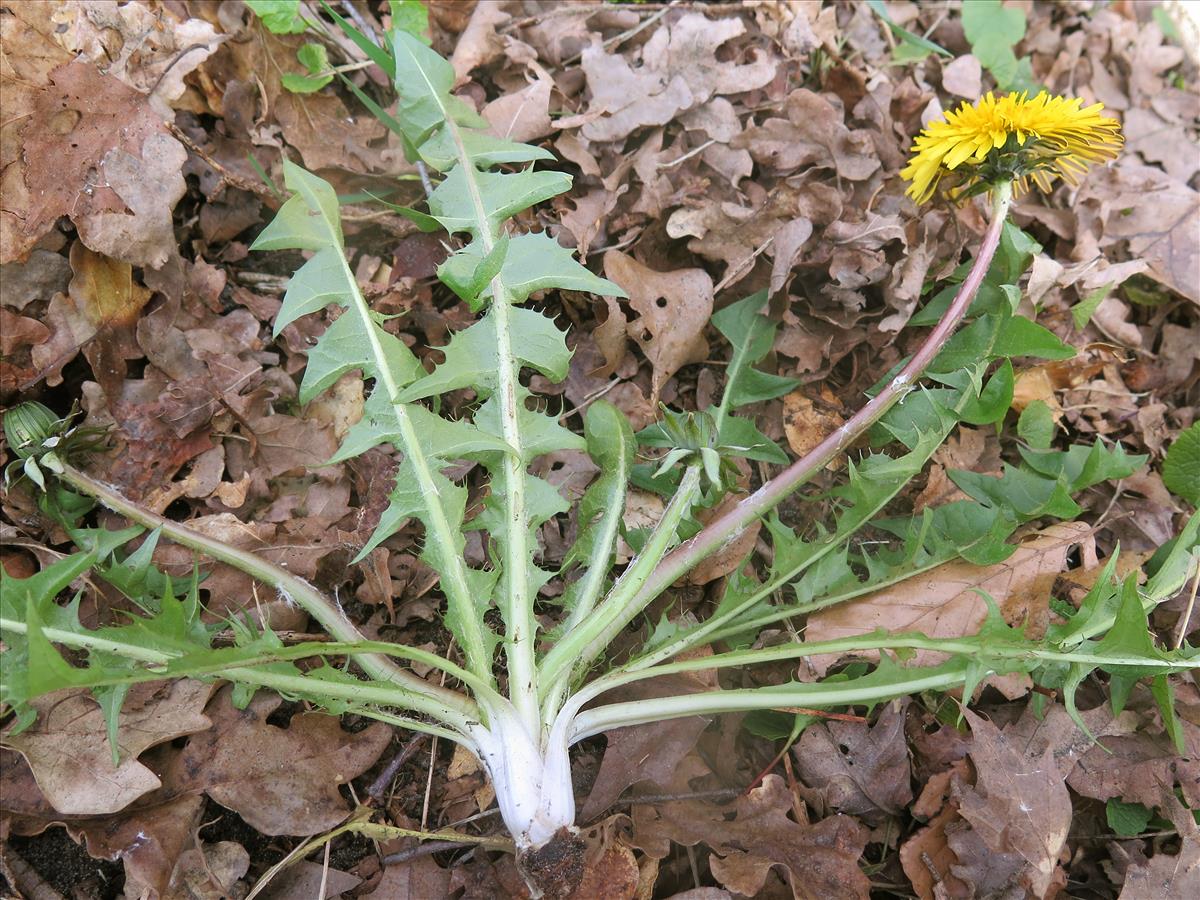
column 724, row 528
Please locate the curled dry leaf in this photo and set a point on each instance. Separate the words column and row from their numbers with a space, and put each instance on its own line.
column 102, row 296
column 963, row 77
column 733, row 553
column 1157, row 215
column 927, row 859
column 280, row 780
column 149, row 49
column 319, row 125
column 648, row 753
column 1019, row 806
column 610, row 869
column 68, row 750
column 950, row 857
column 305, row 879
column 821, row 860
column 680, row 71
column 148, row 840
column 861, row 769
column 806, row 424
column 523, row 115
column 209, row 872
column 945, row 602
column 77, row 120
column 416, row 879
column 479, row 44
column 150, row 184
column 1142, row 768
column 1166, row 876
column 673, row 310
column 22, row 78
column 43, row 274
column 18, row 332
column 813, row 134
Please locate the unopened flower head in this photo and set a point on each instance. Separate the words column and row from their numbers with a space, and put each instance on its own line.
column 1011, row 138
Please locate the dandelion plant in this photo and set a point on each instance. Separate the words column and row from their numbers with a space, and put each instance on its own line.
column 516, row 694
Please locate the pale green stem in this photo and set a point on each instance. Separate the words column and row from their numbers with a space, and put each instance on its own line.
column 521, row 625
column 872, row 642
column 577, row 650
column 246, row 672
column 331, row 617
column 591, row 584
column 454, row 580
column 823, row 694
column 302, row 686
column 725, row 626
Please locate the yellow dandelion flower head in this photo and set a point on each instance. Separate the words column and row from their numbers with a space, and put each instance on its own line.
column 1011, row 138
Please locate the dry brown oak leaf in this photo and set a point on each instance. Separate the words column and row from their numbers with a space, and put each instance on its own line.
column 821, row 859
column 1166, row 876
column 81, row 124
column 945, row 601
column 1019, row 807
column 68, row 750
column 947, row 852
column 1159, row 217
column 280, row 780
column 147, row 836
column 680, row 71
column 31, row 53
column 102, row 296
column 649, row 753
column 673, row 309
column 861, row 770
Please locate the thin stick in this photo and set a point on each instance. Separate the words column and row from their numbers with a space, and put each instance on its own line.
column 325, row 872
column 1187, row 613
column 426, row 849
column 381, row 784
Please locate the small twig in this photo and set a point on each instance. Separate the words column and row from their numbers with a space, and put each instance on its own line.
column 1181, row 633
column 427, row 848
column 644, row 799
column 361, row 21
column 231, row 178
column 433, row 750
column 228, row 638
column 381, row 784
column 324, row 872
column 687, row 156
column 618, row 39
column 821, row 714
column 178, row 56
column 589, row 400
column 26, row 878
column 740, row 269
column 579, row 9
